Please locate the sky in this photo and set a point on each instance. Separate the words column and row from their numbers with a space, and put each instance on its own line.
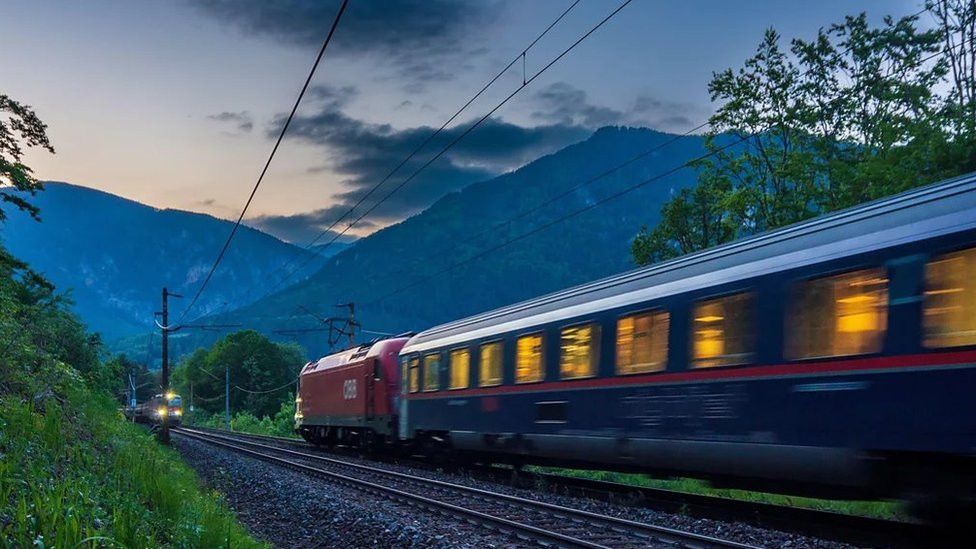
column 177, row 103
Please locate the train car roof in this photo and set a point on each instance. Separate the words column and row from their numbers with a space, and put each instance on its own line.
column 354, row 354
column 926, row 212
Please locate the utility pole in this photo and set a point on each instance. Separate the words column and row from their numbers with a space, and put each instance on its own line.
column 227, row 397
column 164, row 432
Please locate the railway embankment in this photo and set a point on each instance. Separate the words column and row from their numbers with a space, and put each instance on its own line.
column 261, row 489
column 74, row 474
column 288, row 509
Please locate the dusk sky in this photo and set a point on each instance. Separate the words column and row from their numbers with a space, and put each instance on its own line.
column 175, row 103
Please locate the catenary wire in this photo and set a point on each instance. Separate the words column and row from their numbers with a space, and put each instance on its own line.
column 420, row 147
column 471, row 128
column 267, row 164
column 589, row 207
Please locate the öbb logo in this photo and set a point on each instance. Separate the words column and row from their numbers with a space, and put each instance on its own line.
column 349, row 389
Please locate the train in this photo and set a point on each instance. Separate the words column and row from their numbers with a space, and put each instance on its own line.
column 159, row 408
column 835, row 357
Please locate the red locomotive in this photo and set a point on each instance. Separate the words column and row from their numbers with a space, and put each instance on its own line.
column 350, row 397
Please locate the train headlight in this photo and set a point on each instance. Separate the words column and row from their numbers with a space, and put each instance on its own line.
column 177, row 412
column 161, row 412
column 170, row 395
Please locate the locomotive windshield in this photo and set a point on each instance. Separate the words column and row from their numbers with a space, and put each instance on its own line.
column 176, row 401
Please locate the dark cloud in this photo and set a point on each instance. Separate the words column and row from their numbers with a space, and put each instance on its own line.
column 302, row 228
column 364, row 153
column 241, row 119
column 562, row 103
column 413, row 36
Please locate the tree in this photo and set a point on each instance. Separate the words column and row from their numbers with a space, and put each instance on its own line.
column 850, row 116
column 956, row 22
column 20, row 128
column 696, row 219
column 260, row 372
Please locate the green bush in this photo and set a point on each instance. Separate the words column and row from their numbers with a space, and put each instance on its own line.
column 281, row 425
column 75, row 474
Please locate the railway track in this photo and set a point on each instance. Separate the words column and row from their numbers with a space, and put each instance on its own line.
column 529, row 520
column 854, row 529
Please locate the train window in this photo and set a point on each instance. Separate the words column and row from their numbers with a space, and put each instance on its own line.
column 414, row 374
column 723, row 331
column 838, row 315
column 528, row 358
column 579, row 351
column 432, row 367
column 642, row 342
column 490, row 364
column 460, row 368
column 950, row 300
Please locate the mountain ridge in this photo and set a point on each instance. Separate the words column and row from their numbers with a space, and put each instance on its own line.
column 113, row 255
column 589, row 246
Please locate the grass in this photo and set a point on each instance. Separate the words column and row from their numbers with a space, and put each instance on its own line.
column 74, row 474
column 880, row 509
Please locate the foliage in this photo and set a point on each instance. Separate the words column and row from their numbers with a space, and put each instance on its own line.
column 19, row 128
column 282, row 424
column 38, row 333
column 260, row 372
column 146, row 383
column 74, row 474
column 850, row 116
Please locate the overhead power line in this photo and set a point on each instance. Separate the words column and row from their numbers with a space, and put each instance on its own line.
column 415, row 151
column 267, row 164
column 526, row 82
column 598, row 203
column 502, row 224
column 589, row 207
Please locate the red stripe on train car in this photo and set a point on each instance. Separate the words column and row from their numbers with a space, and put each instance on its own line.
column 848, row 366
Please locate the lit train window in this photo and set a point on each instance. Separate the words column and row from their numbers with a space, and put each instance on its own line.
column 950, row 300
column 528, row 358
column 579, row 350
column 414, row 375
column 490, row 364
column 432, row 366
column 723, row 331
column 642, row 342
column 460, row 368
column 838, row 315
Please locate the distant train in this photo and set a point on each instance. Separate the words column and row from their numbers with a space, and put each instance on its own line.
column 158, row 408
column 834, row 357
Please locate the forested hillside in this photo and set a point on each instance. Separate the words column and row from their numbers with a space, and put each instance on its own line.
column 390, row 275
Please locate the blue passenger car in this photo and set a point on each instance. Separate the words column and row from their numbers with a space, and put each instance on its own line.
column 832, row 357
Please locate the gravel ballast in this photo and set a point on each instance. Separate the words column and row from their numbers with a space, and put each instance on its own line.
column 289, row 509
column 382, row 523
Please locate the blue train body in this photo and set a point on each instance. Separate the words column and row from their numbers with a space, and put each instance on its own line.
column 895, row 417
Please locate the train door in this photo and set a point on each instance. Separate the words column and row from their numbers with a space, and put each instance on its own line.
column 372, row 373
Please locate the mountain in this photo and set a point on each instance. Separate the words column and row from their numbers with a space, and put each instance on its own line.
column 115, row 255
column 462, row 228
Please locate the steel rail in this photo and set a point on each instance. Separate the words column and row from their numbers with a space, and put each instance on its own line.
column 843, row 527
column 644, row 532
